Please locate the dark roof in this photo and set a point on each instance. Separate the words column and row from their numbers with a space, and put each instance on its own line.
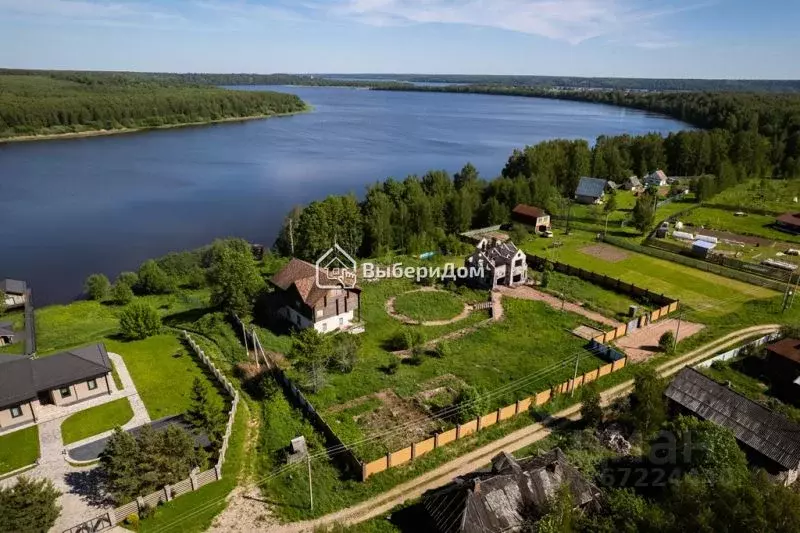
column 7, row 330
column 488, row 501
column 529, row 211
column 13, row 286
column 634, row 181
column 303, row 276
column 591, row 187
column 754, row 426
column 791, row 219
column 22, row 379
column 787, row 348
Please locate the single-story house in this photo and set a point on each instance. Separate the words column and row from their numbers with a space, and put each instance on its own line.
column 501, row 263
column 495, row 500
column 7, row 333
column 769, row 440
column 783, row 366
column 590, row 191
column 702, row 248
column 15, row 292
column 632, row 183
column 789, row 222
column 305, row 304
column 532, row 216
column 656, row 179
column 26, row 385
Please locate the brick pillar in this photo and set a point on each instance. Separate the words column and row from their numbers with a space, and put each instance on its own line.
column 458, row 431
column 389, row 460
column 193, row 480
column 413, row 450
column 435, row 441
column 479, row 423
column 140, row 503
column 167, row 492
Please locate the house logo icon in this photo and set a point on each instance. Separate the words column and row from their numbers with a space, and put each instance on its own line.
column 336, row 269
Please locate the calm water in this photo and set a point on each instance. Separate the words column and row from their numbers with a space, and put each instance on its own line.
column 69, row 208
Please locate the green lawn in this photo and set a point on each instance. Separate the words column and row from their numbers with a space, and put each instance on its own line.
column 96, row 420
column 772, row 195
column 424, row 306
column 163, row 371
column 593, row 297
column 19, row 449
column 714, row 295
column 752, row 224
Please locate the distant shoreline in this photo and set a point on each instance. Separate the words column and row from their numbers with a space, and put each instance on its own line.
column 121, row 131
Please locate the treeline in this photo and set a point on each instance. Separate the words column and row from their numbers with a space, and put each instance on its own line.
column 74, row 102
column 775, row 117
column 420, row 214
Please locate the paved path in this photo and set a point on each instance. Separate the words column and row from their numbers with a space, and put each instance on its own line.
column 527, row 292
column 643, row 342
column 79, row 499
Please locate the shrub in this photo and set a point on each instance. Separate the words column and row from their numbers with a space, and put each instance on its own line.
column 591, row 411
column 443, row 349
column 345, row 352
column 128, row 278
column 132, row 521
column 393, row 365
column 667, row 342
column 153, row 280
column 139, row 321
column 122, row 294
column 548, row 268
column 96, row 286
column 470, row 404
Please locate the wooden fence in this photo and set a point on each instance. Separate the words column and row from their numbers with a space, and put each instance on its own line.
column 418, row 449
column 196, row 478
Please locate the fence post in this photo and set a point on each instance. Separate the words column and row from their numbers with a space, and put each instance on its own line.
column 479, row 423
column 218, row 471
column 413, row 450
column 193, row 480
column 435, row 441
column 389, row 460
column 139, row 503
column 458, row 431
column 112, row 519
column 167, row 492
column 516, row 409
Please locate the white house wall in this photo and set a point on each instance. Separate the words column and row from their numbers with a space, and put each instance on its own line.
column 332, row 323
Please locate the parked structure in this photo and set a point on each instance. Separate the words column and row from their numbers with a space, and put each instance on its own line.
column 783, row 366
column 494, row 500
column 15, row 292
column 28, row 385
column 702, row 249
column 770, row 440
column 656, row 179
column 7, row 333
column 590, row 191
column 632, row 183
column 789, row 222
column 612, row 185
column 305, row 304
column 501, row 263
column 532, row 216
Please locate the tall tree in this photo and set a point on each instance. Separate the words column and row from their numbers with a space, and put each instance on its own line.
column 29, row 505
column 648, row 410
column 311, row 353
column 205, row 412
column 235, row 281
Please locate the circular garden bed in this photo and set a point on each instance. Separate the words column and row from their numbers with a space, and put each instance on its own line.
column 426, row 306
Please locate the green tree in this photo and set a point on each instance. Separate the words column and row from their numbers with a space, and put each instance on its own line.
column 344, row 352
column 667, row 342
column 470, row 404
column 611, row 202
column 96, row 286
column 648, row 410
column 129, row 278
column 205, row 412
column 121, row 293
column 591, row 410
column 311, row 353
column 139, row 320
column 235, row 281
column 547, row 273
column 2, row 302
column 519, row 235
column 29, row 505
column 165, row 456
column 560, row 515
column 712, row 450
column 644, row 212
column 151, row 279
column 119, row 465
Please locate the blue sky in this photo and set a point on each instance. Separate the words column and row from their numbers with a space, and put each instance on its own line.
column 645, row 38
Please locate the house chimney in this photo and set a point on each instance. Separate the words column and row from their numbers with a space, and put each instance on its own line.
column 476, row 486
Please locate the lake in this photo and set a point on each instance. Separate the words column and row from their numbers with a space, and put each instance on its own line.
column 72, row 207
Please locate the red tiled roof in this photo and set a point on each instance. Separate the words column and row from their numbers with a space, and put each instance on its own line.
column 529, row 211
column 303, row 276
column 787, row 348
column 791, row 219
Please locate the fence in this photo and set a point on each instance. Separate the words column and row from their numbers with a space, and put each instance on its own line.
column 418, row 449
column 344, row 454
column 196, row 479
column 698, row 264
column 730, row 354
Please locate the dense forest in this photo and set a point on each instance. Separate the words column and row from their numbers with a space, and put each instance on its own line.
column 77, row 102
column 425, row 213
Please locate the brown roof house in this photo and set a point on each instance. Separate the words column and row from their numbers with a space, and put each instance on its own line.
column 770, row 440
column 496, row 263
column 532, row 216
column 497, row 499
column 783, row 366
column 29, row 386
column 789, row 222
column 15, row 291
column 326, row 299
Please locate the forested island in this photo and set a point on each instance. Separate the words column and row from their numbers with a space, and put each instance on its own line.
column 44, row 104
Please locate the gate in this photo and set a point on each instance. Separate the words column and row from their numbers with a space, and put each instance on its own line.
column 98, row 523
column 633, row 325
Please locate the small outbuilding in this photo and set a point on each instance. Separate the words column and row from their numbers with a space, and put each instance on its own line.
column 782, row 364
column 702, row 249
column 532, row 216
column 656, row 179
column 590, row 191
column 7, row 333
column 789, row 222
column 632, row 183
column 15, row 291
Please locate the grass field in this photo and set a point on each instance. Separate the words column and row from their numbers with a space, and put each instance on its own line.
column 96, row 420
column 593, row 297
column 163, row 371
column 19, row 449
column 756, row 225
column 772, row 195
column 711, row 294
column 425, row 306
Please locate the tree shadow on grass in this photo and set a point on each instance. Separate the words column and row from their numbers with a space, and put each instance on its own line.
column 88, row 485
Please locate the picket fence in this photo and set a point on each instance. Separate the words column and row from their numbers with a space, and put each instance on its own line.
column 196, row 478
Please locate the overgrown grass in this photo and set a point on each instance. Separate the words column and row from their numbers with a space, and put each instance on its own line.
column 96, row 420
column 752, row 224
column 427, row 305
column 19, row 449
column 593, row 297
column 772, row 195
column 163, row 370
column 17, row 320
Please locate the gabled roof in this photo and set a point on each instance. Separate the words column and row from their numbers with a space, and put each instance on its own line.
column 792, row 219
column 658, row 175
column 754, row 426
column 787, row 348
column 591, row 187
column 13, row 286
column 634, row 181
column 303, row 276
column 704, row 244
column 22, row 379
column 529, row 211
column 491, row 501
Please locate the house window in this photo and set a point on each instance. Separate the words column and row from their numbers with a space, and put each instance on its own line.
column 319, row 312
column 91, row 384
column 341, row 320
column 518, row 263
column 324, row 327
column 65, row 392
column 16, row 411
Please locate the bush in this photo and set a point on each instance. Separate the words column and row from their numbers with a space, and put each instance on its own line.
column 139, row 321
column 591, row 411
column 96, row 286
column 548, row 269
column 443, row 349
column 470, row 404
column 122, row 294
column 128, row 278
column 153, row 280
column 667, row 342
column 393, row 365
column 132, row 521
column 345, row 352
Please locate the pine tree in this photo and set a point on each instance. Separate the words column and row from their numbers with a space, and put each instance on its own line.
column 205, row 412
column 30, row 505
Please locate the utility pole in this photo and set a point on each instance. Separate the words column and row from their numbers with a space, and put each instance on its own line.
column 255, row 347
column 678, row 330
column 310, row 490
column 244, row 337
column 575, row 374
column 291, row 233
column 605, row 231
